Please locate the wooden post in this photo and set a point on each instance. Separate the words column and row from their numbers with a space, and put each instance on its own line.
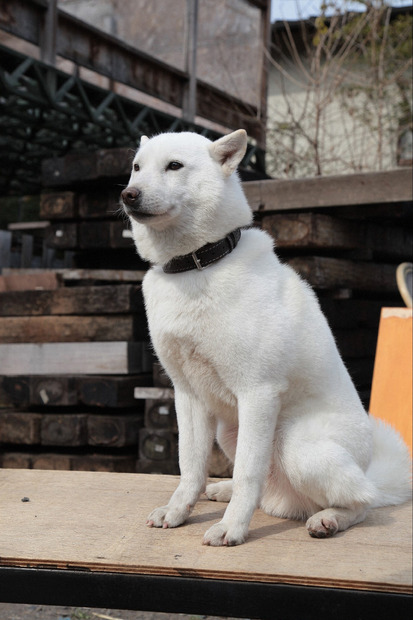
column 189, row 111
column 391, row 396
column 48, row 42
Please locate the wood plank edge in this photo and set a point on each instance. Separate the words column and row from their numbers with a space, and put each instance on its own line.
column 207, row 574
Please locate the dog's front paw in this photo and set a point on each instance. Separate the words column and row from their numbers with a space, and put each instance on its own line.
column 222, row 534
column 219, row 491
column 166, row 516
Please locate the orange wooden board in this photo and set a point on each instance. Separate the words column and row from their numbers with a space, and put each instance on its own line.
column 96, row 521
column 391, row 394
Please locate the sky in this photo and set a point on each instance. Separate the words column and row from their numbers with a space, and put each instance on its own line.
column 296, row 9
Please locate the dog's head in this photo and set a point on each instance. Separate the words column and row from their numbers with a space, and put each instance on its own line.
column 187, row 185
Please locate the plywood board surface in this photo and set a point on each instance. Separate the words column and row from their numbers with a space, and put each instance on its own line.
column 96, row 521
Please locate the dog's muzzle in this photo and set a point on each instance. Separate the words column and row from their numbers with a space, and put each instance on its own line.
column 132, row 204
column 131, row 197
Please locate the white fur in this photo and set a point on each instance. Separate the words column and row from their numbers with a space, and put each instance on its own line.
column 252, row 360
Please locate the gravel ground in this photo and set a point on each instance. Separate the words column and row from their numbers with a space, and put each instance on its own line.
column 38, row 612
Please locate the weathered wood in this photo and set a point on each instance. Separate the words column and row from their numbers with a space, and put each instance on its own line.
column 334, row 273
column 103, row 463
column 73, row 328
column 161, row 414
column 111, row 391
column 5, row 248
column 62, row 236
column 19, row 428
column 312, row 231
column 53, row 461
column 49, row 391
column 99, row 204
column 81, row 167
column 29, row 226
column 26, row 282
column 86, row 275
column 63, row 390
column 63, row 430
column 88, row 358
column 56, row 205
column 34, row 390
column 104, row 235
column 153, row 393
column 148, row 466
column 15, row 460
column 68, row 301
column 110, row 513
column 26, row 251
column 14, row 391
column 113, row 431
column 355, row 189
column 157, row 445
column 324, row 232
column 89, row 235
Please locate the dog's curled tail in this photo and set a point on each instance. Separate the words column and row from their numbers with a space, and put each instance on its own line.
column 390, row 467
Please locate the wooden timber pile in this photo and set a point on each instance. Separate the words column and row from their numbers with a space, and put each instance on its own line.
column 79, row 388
column 345, row 235
column 79, row 385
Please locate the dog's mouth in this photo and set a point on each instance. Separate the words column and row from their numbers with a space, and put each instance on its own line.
column 141, row 216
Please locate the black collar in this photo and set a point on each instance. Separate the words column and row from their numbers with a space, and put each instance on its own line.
column 206, row 255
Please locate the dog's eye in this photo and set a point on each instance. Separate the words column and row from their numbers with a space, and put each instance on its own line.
column 136, row 167
column 174, row 165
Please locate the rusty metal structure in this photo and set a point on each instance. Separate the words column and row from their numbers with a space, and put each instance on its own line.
column 46, row 111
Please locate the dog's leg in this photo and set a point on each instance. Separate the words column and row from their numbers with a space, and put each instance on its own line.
column 219, row 491
column 325, row 472
column 227, row 440
column 332, row 520
column 196, row 434
column 257, row 413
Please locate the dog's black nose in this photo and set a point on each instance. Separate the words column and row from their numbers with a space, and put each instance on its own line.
column 130, row 196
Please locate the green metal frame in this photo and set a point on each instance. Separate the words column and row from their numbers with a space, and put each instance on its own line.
column 45, row 112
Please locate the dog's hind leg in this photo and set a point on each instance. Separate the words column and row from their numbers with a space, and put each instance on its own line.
column 332, row 520
column 327, row 474
column 227, row 440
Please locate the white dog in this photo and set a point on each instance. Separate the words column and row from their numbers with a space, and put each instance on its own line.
column 250, row 354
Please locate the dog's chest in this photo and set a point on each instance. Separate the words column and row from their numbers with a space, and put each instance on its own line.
column 188, row 340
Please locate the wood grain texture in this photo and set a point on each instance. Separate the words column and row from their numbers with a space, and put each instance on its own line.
column 56, row 205
column 323, row 272
column 87, row 300
column 355, row 189
column 87, row 275
column 315, row 231
column 96, row 521
column 88, row 358
column 67, row 328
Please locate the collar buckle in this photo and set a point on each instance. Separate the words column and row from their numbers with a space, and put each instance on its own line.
column 196, row 261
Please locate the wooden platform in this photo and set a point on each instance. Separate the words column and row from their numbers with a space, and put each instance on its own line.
column 95, row 523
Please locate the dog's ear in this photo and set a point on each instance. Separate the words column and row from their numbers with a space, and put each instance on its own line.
column 229, row 150
column 144, row 140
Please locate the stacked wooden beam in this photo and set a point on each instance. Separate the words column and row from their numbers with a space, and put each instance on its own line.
column 345, row 236
column 76, row 384
column 70, row 360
